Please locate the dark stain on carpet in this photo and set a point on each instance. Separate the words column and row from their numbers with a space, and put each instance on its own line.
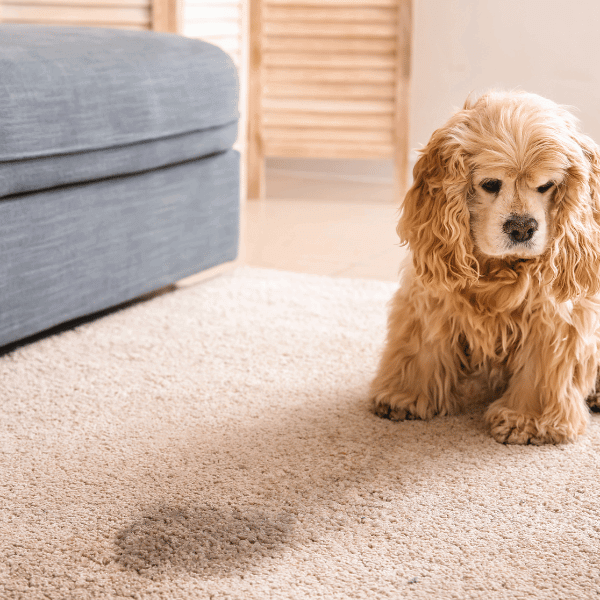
column 201, row 540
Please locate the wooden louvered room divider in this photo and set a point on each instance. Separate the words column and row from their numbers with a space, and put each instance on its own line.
column 328, row 79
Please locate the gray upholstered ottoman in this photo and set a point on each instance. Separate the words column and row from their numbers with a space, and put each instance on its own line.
column 117, row 175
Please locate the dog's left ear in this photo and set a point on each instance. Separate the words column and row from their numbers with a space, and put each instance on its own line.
column 575, row 251
column 435, row 218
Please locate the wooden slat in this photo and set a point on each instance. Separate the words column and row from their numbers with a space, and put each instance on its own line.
column 371, row 107
column 87, row 3
column 215, row 3
column 212, row 14
column 324, row 150
column 304, row 30
column 362, row 14
column 75, row 14
column 330, row 90
column 209, row 3
column 205, row 30
column 126, row 26
column 334, row 61
column 296, row 45
column 280, row 75
column 348, row 3
column 284, row 134
column 324, row 120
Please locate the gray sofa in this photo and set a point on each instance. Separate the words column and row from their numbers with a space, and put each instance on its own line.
column 117, row 174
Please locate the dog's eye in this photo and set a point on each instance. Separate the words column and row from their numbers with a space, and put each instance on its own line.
column 544, row 188
column 492, row 185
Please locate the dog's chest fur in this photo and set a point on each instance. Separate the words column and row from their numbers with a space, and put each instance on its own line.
column 490, row 335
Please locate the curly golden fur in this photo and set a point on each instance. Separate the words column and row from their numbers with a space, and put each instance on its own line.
column 500, row 302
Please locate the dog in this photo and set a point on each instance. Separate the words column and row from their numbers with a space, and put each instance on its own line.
column 499, row 301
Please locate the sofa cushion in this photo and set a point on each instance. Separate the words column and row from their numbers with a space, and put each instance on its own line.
column 33, row 174
column 83, row 103
column 72, row 251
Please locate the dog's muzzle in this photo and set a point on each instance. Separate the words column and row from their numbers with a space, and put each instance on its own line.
column 519, row 228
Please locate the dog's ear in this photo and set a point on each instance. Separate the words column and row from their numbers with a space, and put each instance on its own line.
column 575, row 249
column 435, row 216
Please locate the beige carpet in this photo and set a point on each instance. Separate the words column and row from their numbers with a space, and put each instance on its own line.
column 215, row 442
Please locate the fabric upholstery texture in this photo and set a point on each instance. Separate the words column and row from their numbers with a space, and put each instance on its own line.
column 69, row 89
column 74, row 102
column 75, row 250
column 117, row 175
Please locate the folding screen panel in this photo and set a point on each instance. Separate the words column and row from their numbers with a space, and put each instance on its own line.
column 328, row 79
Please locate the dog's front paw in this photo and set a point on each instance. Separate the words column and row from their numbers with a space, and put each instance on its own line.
column 398, row 406
column 508, row 426
column 513, row 429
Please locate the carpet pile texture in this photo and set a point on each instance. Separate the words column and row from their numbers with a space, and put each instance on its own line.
column 216, row 442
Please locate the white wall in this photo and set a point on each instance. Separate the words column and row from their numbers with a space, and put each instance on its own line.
column 550, row 47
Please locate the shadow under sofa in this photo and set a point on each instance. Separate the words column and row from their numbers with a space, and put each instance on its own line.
column 117, row 173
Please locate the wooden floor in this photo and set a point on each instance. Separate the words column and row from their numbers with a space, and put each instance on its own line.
column 325, row 227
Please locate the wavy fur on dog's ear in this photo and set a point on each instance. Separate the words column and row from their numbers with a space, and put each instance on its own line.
column 575, row 251
column 435, row 216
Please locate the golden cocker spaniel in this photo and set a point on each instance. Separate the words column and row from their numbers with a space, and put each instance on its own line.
column 500, row 302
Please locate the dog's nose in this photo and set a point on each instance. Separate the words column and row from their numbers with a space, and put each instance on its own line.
column 520, row 229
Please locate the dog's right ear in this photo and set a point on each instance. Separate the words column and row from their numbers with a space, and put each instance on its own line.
column 575, row 250
column 435, row 217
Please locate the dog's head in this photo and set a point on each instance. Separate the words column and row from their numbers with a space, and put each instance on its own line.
column 508, row 179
